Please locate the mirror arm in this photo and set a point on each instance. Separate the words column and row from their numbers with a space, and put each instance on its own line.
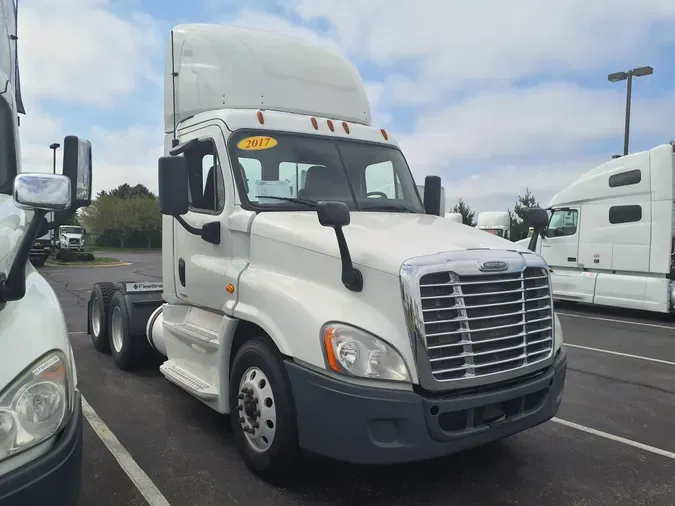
column 13, row 286
column 210, row 232
column 351, row 276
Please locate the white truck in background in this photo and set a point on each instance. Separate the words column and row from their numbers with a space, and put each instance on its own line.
column 611, row 234
column 456, row 217
column 323, row 315
column 40, row 406
column 71, row 237
column 495, row 222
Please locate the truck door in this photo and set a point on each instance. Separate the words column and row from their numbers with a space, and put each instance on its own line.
column 560, row 246
column 201, row 268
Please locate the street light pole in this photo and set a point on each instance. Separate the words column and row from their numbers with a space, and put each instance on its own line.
column 54, row 147
column 628, row 76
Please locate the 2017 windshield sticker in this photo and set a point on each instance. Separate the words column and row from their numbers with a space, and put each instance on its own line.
column 257, row 143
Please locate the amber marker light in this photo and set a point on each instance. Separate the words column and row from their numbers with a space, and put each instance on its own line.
column 328, row 336
column 230, row 288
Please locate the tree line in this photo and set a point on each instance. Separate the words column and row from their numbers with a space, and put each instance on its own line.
column 518, row 227
column 127, row 216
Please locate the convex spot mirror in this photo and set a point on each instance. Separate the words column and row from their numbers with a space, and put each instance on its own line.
column 77, row 167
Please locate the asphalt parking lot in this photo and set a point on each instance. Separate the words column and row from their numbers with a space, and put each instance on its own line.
column 612, row 443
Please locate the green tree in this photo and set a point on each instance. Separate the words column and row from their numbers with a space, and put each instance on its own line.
column 518, row 227
column 148, row 215
column 465, row 210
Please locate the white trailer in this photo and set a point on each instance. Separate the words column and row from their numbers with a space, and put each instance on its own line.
column 495, row 222
column 610, row 237
column 456, row 217
column 317, row 309
column 40, row 405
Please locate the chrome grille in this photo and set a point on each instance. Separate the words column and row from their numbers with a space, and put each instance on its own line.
column 482, row 324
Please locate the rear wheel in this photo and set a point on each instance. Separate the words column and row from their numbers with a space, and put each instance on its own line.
column 262, row 412
column 99, row 302
column 128, row 350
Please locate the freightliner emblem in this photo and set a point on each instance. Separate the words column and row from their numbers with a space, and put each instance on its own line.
column 494, row 265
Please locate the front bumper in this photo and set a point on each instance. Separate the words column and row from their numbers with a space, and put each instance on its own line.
column 53, row 478
column 366, row 425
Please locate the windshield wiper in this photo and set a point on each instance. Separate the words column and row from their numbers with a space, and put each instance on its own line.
column 388, row 207
column 310, row 203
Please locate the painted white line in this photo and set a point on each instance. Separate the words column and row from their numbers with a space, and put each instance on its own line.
column 144, row 485
column 572, row 315
column 618, row 439
column 649, row 359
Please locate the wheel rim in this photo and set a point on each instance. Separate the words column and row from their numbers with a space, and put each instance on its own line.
column 96, row 316
column 116, row 329
column 256, row 408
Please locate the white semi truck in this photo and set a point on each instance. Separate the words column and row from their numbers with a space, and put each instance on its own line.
column 456, row 217
column 610, row 240
column 40, row 406
column 495, row 222
column 322, row 315
column 71, row 237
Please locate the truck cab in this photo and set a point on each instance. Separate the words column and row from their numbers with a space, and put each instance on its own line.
column 40, row 405
column 609, row 240
column 71, row 237
column 456, row 217
column 42, row 245
column 308, row 290
column 495, row 222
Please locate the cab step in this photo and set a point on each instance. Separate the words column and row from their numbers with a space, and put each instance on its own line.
column 194, row 334
column 188, row 381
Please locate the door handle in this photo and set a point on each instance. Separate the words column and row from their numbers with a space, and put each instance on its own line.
column 181, row 271
column 571, row 259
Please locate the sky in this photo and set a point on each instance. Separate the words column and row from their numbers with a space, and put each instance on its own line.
column 493, row 96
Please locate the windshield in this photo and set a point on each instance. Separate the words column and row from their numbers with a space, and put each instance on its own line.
column 71, row 230
column 278, row 168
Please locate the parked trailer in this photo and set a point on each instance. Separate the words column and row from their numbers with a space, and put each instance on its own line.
column 318, row 310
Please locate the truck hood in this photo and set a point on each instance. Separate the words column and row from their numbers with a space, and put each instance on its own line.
column 381, row 241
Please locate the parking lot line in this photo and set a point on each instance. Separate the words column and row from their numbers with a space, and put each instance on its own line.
column 612, row 437
column 614, row 320
column 619, row 353
column 143, row 483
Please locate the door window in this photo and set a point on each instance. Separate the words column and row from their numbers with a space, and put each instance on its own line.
column 206, row 186
column 563, row 222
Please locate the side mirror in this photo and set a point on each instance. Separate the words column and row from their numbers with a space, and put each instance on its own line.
column 173, row 185
column 78, row 168
column 432, row 195
column 336, row 215
column 535, row 217
column 47, row 192
column 333, row 214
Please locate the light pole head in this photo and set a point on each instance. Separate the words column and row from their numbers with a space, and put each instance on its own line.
column 55, row 146
column 617, row 76
column 643, row 71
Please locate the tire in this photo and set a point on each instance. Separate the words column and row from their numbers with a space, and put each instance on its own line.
column 279, row 461
column 97, row 315
column 38, row 261
column 129, row 350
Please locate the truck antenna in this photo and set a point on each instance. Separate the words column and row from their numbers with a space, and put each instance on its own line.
column 174, row 141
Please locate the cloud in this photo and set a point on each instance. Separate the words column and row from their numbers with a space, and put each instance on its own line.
column 79, row 56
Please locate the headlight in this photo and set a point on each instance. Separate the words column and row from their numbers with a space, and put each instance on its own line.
column 355, row 352
column 34, row 407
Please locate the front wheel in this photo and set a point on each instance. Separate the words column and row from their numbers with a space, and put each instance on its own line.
column 262, row 413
